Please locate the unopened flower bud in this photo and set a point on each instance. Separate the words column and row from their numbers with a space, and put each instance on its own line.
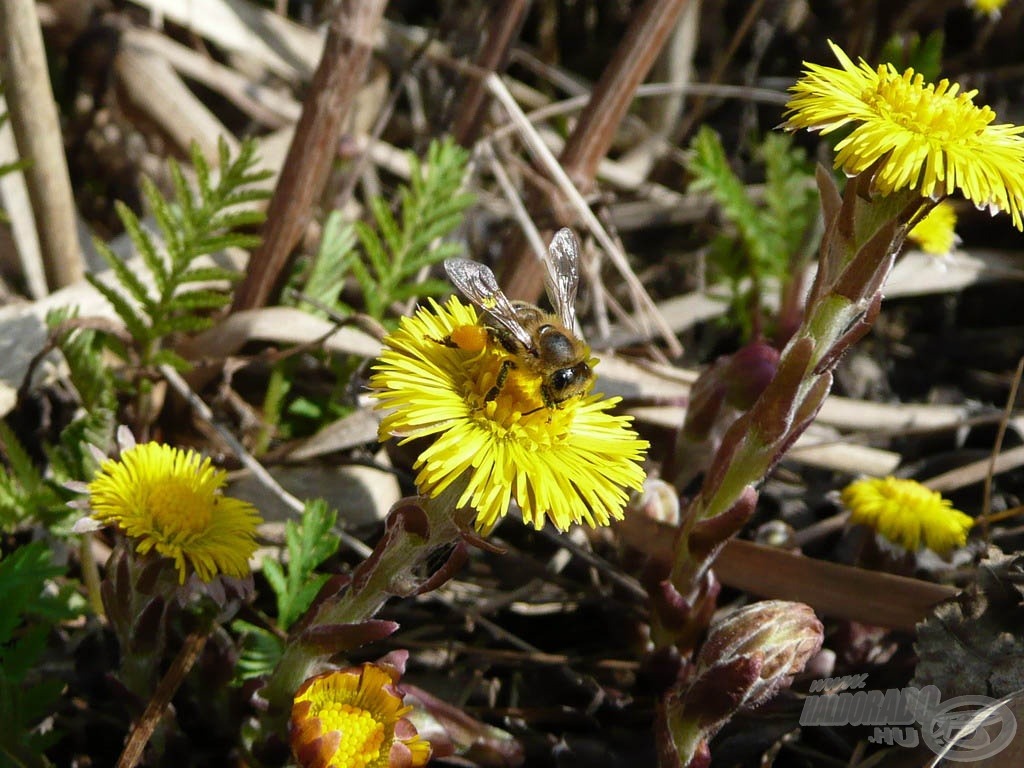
column 658, row 501
column 785, row 634
column 748, row 372
column 354, row 718
column 747, row 658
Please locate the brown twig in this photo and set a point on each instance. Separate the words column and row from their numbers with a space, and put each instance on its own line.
column 595, row 130
column 504, row 21
column 997, row 446
column 37, row 130
column 168, row 686
column 306, row 168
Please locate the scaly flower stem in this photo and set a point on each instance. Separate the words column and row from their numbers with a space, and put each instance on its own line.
column 857, row 254
column 387, row 572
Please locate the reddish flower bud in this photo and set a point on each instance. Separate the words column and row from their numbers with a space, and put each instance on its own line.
column 353, row 718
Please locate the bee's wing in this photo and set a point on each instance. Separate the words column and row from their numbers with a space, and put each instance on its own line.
column 479, row 285
column 562, row 276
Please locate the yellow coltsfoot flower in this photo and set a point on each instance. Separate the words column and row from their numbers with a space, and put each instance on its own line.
column 353, row 718
column 907, row 513
column 924, row 137
column 168, row 500
column 991, row 8
column 936, row 232
column 571, row 463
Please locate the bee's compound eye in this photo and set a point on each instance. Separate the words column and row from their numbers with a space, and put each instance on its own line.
column 562, row 378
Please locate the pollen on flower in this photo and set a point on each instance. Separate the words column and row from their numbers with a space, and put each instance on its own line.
column 168, row 500
column 927, row 137
column 570, row 463
column 471, row 338
column 353, row 718
column 907, row 514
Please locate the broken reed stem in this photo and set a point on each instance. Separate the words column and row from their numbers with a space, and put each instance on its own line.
column 547, row 160
column 33, row 115
column 595, row 129
column 314, row 146
column 499, row 31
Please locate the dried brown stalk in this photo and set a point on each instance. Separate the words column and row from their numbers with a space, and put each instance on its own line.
column 152, row 85
column 143, row 730
column 595, row 129
column 501, row 28
column 37, row 131
column 313, row 148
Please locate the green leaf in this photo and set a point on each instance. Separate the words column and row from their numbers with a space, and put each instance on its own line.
column 126, row 277
column 180, row 324
column 190, row 301
column 132, row 320
column 398, row 246
column 308, row 543
column 173, row 359
column 327, row 273
column 771, row 234
column 207, row 275
column 29, row 609
column 23, row 576
column 259, row 651
column 89, row 373
column 192, row 223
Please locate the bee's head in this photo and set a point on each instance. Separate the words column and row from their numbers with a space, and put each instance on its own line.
column 565, row 383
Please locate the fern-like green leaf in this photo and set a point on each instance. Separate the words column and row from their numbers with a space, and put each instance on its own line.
column 89, row 373
column 166, row 326
column 28, row 611
column 134, row 322
column 208, row 275
column 144, row 246
column 790, row 198
column 131, row 283
column 398, row 246
column 309, row 542
column 191, row 224
column 327, row 272
column 713, row 174
column 71, row 459
column 259, row 651
column 173, row 359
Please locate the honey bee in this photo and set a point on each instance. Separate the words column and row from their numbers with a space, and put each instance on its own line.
column 542, row 343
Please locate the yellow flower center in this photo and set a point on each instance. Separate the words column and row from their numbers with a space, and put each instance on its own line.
column 937, row 112
column 361, row 734
column 177, row 509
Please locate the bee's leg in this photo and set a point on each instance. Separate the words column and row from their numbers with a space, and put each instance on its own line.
column 546, row 396
column 445, row 342
column 506, row 366
column 549, row 402
column 468, row 338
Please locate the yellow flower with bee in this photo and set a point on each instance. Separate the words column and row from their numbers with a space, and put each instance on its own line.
column 507, row 400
